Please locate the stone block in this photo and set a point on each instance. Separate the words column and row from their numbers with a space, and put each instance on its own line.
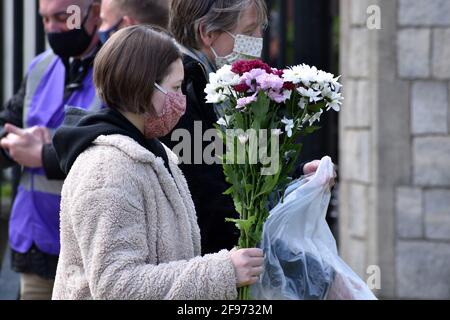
column 429, row 107
column 423, row 270
column 431, row 157
column 358, row 209
column 437, row 214
column 356, row 156
column 409, row 218
column 424, row 13
column 359, row 57
column 441, row 54
column 413, row 53
column 356, row 110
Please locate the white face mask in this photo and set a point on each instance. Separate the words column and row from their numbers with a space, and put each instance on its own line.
column 245, row 48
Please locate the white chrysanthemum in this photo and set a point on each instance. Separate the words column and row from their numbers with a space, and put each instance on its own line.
column 317, row 86
column 336, row 85
column 220, row 85
column 309, row 74
column 327, row 92
column 324, row 77
column 336, row 101
column 215, row 93
column 306, row 118
column 311, row 77
column 313, row 95
column 301, row 73
column 292, row 75
column 225, row 77
column 315, row 117
column 303, row 103
column 222, row 122
column 289, row 125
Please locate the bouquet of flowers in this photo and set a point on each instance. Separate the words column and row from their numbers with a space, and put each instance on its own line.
column 266, row 112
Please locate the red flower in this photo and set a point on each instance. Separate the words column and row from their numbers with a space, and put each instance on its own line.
column 242, row 87
column 278, row 72
column 242, row 66
column 289, row 86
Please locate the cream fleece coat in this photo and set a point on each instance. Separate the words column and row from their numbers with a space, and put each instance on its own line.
column 129, row 230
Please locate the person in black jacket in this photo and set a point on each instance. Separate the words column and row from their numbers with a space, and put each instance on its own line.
column 55, row 78
column 31, row 147
column 210, row 33
column 128, row 13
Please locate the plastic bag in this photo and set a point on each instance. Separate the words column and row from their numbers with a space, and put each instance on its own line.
column 301, row 258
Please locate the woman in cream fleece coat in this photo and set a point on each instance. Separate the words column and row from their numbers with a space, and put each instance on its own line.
column 128, row 224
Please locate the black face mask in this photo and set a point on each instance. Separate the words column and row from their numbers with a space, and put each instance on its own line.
column 71, row 43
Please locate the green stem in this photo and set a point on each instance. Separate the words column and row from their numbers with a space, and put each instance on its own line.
column 244, row 293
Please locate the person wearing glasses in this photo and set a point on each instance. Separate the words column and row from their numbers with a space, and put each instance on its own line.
column 213, row 33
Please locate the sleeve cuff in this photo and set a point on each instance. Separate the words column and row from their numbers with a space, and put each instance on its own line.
column 5, row 159
column 51, row 163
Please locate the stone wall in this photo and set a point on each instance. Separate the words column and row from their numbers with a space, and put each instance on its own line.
column 395, row 145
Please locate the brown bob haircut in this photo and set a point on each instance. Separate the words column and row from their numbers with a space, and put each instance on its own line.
column 130, row 63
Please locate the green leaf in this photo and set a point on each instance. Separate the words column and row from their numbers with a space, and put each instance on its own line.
column 269, row 184
column 248, row 188
column 260, row 109
column 256, row 124
column 229, row 191
column 230, row 174
column 237, row 205
column 243, row 225
column 316, row 107
column 239, row 121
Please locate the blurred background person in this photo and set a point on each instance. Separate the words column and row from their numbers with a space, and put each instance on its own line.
column 32, row 146
column 57, row 78
column 117, row 14
column 212, row 34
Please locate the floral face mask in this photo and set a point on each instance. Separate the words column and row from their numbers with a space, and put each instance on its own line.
column 159, row 125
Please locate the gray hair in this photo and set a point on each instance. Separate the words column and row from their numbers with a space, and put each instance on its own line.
column 216, row 15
